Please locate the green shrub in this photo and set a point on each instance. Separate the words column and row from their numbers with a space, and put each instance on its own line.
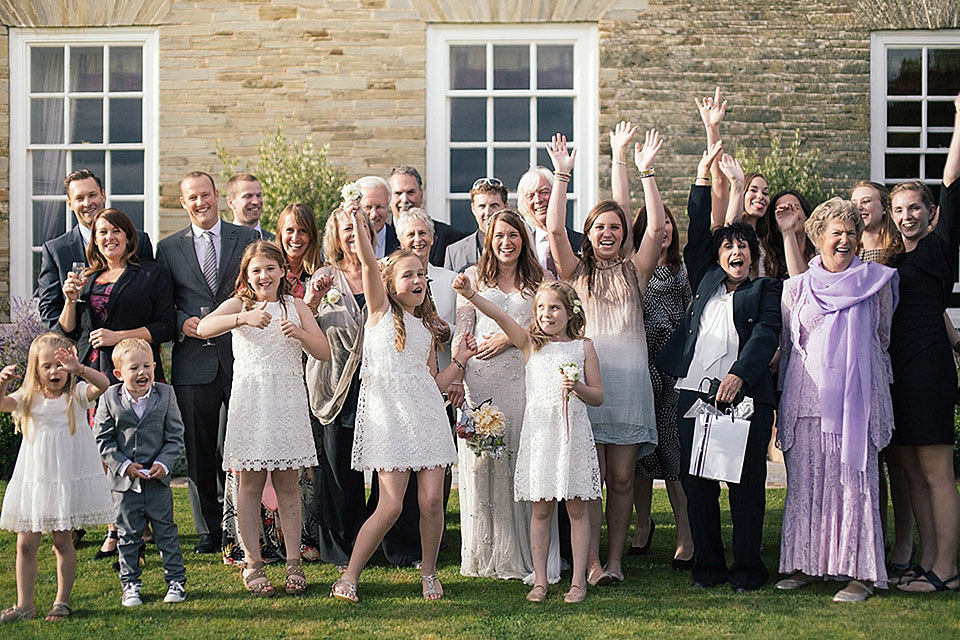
column 290, row 172
column 788, row 168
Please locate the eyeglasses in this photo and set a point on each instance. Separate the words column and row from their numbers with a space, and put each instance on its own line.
column 496, row 183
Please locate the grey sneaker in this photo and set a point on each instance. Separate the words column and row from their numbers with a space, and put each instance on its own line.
column 131, row 595
column 175, row 593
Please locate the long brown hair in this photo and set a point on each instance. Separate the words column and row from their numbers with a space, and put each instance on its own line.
column 117, row 218
column 426, row 310
column 32, row 384
column 529, row 270
column 270, row 251
column 771, row 240
column 587, row 257
column 674, row 259
column 890, row 240
column 576, row 320
column 303, row 217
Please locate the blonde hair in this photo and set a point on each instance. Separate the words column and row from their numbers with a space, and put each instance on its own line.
column 126, row 346
column 333, row 252
column 32, row 384
column 426, row 311
column 833, row 209
column 576, row 320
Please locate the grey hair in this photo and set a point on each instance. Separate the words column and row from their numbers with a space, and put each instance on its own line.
column 407, row 217
column 528, row 182
column 373, row 182
column 832, row 209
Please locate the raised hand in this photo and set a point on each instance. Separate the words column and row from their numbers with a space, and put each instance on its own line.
column 68, row 359
column 620, row 139
column 709, row 157
column 731, row 168
column 712, row 110
column 461, row 284
column 563, row 160
column 8, row 373
column 72, row 286
column 789, row 217
column 644, row 156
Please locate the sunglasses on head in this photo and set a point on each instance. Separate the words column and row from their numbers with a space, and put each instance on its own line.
column 496, row 183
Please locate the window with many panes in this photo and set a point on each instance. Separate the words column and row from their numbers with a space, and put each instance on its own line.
column 915, row 78
column 79, row 99
column 495, row 96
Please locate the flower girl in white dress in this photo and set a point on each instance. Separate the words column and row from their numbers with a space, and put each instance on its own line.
column 556, row 459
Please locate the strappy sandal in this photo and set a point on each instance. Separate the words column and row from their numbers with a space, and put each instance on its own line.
column 343, row 590
column 296, row 582
column 101, row 554
column 931, row 579
column 15, row 614
column 432, row 589
column 910, row 576
column 59, row 611
column 256, row 580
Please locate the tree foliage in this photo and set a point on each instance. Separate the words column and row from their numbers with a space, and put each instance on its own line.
column 790, row 168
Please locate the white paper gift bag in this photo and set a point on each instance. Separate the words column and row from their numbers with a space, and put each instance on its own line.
column 719, row 444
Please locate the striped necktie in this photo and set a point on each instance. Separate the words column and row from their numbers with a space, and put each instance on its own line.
column 209, row 266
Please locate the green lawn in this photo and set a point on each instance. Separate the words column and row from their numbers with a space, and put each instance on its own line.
column 654, row 602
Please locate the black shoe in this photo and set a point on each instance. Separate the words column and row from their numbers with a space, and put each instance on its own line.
column 739, row 588
column 682, row 565
column 101, row 554
column 706, row 584
column 206, row 544
column 642, row 551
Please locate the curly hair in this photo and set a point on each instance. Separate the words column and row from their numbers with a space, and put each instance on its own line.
column 426, row 310
column 833, row 209
column 528, row 268
column 737, row 231
column 268, row 250
column 576, row 320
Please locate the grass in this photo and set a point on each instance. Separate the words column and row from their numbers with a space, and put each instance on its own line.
column 654, row 602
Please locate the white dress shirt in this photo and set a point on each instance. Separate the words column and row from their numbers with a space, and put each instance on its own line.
column 200, row 243
column 717, row 342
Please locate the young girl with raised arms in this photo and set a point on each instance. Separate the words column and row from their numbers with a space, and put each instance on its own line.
column 557, row 459
column 268, row 422
column 401, row 426
column 58, row 483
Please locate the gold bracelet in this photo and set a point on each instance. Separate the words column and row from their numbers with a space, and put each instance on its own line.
column 237, row 320
column 647, row 173
column 457, row 362
column 563, row 176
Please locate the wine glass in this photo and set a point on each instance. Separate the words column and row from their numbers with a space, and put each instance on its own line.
column 78, row 268
column 204, row 312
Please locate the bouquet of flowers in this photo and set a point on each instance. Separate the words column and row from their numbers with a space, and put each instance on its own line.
column 331, row 298
column 482, row 428
column 350, row 191
column 569, row 371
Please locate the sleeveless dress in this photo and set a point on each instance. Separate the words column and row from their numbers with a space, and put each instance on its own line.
column 614, row 311
column 494, row 529
column 58, row 482
column 401, row 423
column 551, row 466
column 268, row 423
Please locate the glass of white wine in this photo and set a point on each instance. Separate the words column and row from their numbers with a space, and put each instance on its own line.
column 204, row 312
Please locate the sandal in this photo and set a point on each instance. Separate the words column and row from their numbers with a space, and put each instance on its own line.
column 255, row 579
column 15, row 614
column 537, row 594
column 930, row 579
column 296, row 582
column 910, row 575
column 432, row 589
column 59, row 611
column 572, row 597
column 101, row 554
column 343, row 590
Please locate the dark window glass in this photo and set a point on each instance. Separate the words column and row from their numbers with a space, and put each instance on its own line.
column 554, row 115
column 46, row 69
column 902, row 166
column 511, row 67
column 555, row 67
column 903, row 114
column 468, row 67
column 511, row 119
column 86, row 69
column 466, row 165
column 904, row 72
column 126, row 69
column 468, row 119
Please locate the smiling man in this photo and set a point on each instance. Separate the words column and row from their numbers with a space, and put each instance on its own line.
column 487, row 196
column 245, row 199
column 406, row 192
column 533, row 195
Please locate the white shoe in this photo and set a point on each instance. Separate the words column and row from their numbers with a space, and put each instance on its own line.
column 131, row 595
column 175, row 593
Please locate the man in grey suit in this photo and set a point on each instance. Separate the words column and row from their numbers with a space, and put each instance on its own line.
column 245, row 199
column 140, row 435
column 487, row 196
column 203, row 260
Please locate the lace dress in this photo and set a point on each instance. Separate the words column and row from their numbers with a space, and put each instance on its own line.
column 401, row 423
column 614, row 310
column 494, row 530
column 268, row 423
column 58, row 482
column 830, row 529
column 552, row 464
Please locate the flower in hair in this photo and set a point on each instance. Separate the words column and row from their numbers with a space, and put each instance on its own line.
column 350, row 191
column 577, row 307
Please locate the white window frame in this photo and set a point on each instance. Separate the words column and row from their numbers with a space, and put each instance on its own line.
column 21, row 232
column 880, row 42
column 584, row 39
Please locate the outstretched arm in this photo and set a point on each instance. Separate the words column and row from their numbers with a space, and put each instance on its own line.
column 97, row 381
column 560, row 248
column 790, row 221
column 951, row 170
column 620, row 139
column 733, row 174
column 517, row 334
column 645, row 259
column 712, row 111
column 373, row 289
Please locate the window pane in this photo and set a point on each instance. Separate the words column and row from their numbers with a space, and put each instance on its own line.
column 943, row 72
column 49, row 220
column 934, row 165
column 46, row 69
column 468, row 67
column 555, row 67
column 86, row 120
column 126, row 69
column 940, row 114
column 92, row 160
column 511, row 119
column 903, row 139
column 511, row 67
column 49, row 169
column 510, row 164
column 126, row 172
column 902, row 167
column 543, row 159
column 86, row 69
column 126, row 120
column 133, row 209
column 468, row 119
column 554, row 115
column 46, row 121
column 904, row 72
column 461, row 216
column 466, row 165
column 938, row 140
column 903, row 114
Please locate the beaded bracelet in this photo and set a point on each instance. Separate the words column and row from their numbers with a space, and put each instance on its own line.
column 620, row 162
column 647, row 173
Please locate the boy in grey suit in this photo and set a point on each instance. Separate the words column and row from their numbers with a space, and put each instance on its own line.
column 140, row 434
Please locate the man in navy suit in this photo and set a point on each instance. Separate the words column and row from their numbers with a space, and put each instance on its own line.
column 375, row 202
column 245, row 199
column 406, row 192
column 203, row 260
column 86, row 198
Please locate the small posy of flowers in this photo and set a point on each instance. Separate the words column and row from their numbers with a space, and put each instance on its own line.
column 350, row 191
column 331, row 298
column 482, row 428
column 570, row 371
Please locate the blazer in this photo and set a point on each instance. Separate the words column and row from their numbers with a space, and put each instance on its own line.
column 443, row 236
column 463, row 253
column 157, row 436
column 57, row 257
column 391, row 242
column 192, row 363
column 141, row 297
column 756, row 310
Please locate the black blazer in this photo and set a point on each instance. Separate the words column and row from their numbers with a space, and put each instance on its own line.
column 141, row 297
column 756, row 310
column 443, row 236
column 391, row 242
column 576, row 239
column 57, row 257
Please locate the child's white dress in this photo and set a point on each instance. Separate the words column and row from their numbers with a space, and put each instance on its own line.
column 401, row 423
column 549, row 465
column 268, row 422
column 58, row 483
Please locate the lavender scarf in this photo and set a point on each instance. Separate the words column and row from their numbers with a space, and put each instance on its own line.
column 845, row 393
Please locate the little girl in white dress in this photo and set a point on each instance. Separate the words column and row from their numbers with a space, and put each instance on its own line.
column 557, row 459
column 58, row 483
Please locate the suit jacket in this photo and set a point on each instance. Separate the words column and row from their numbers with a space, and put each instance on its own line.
column 57, row 257
column 576, row 239
column 157, row 436
column 141, row 297
column 756, row 310
column 192, row 362
column 443, row 236
column 463, row 253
